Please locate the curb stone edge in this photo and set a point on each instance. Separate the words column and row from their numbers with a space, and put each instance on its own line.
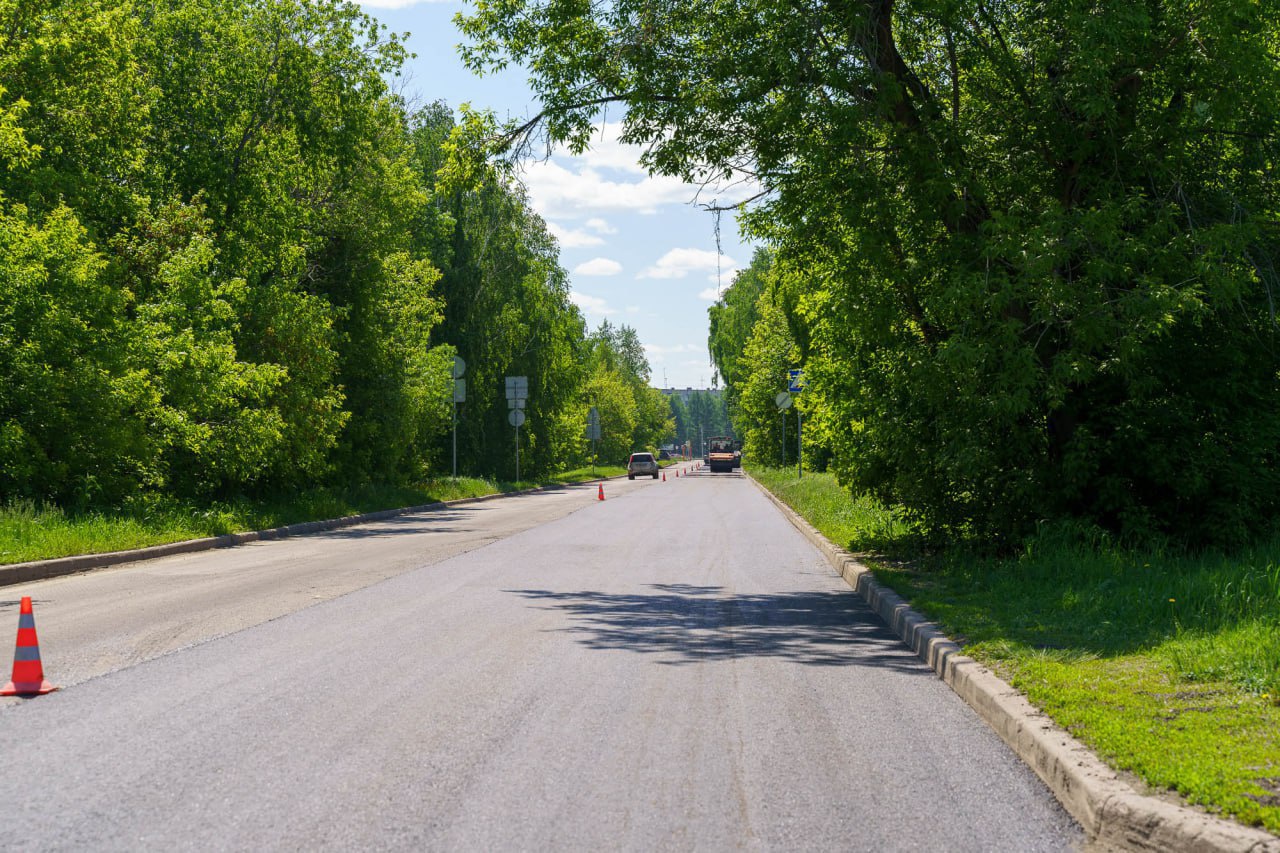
column 38, row 570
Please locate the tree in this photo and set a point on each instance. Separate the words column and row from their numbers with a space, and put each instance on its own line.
column 507, row 308
column 732, row 319
column 1040, row 280
column 618, row 349
column 612, row 396
column 768, row 355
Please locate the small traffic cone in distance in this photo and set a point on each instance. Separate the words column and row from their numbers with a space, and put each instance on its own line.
column 664, row 476
column 600, row 496
column 28, row 673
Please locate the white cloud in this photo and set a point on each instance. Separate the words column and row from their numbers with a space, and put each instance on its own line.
column 593, row 305
column 608, row 177
column 659, row 351
column 599, row 226
column 678, row 263
column 573, row 239
column 560, row 192
column 711, row 294
column 598, row 266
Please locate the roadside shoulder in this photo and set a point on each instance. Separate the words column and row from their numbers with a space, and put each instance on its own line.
column 35, row 570
column 1110, row 811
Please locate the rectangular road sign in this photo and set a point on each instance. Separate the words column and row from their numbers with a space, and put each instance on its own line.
column 795, row 380
column 459, row 390
column 517, row 387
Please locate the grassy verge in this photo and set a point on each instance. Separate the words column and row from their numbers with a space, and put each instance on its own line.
column 29, row 532
column 1166, row 664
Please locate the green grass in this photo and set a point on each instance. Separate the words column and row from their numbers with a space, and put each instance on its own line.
column 582, row 475
column 30, row 532
column 1167, row 664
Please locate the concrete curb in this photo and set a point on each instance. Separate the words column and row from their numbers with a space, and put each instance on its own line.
column 1110, row 811
column 36, row 570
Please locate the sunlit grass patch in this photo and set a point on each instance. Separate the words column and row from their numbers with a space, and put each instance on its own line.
column 33, row 532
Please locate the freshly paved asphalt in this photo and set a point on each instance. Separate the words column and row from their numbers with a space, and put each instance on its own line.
column 674, row 668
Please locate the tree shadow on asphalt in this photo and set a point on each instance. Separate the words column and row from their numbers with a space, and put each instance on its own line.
column 403, row 525
column 694, row 624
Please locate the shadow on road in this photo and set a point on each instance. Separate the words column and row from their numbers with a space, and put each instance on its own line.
column 692, row 624
column 433, row 521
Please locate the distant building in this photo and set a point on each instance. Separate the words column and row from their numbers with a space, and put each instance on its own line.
column 683, row 393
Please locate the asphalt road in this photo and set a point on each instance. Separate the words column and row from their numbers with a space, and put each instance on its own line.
column 672, row 669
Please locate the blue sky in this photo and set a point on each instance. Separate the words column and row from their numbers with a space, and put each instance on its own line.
column 639, row 250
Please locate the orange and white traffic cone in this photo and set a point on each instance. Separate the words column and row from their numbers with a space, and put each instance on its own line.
column 600, row 495
column 28, row 674
column 677, row 472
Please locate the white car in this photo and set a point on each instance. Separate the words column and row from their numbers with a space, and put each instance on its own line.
column 642, row 463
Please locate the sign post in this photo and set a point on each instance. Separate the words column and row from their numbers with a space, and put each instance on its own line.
column 783, row 402
column 593, row 433
column 795, row 384
column 517, row 396
column 799, row 449
column 459, row 396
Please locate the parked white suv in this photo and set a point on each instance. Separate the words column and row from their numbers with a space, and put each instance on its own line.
column 642, row 463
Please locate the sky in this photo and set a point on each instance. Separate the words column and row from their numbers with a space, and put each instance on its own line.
column 639, row 250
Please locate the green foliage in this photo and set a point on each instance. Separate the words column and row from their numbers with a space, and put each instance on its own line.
column 731, row 320
column 1026, row 254
column 697, row 416
column 613, row 398
column 768, row 355
column 33, row 531
column 507, row 302
column 616, row 351
column 231, row 262
column 65, row 390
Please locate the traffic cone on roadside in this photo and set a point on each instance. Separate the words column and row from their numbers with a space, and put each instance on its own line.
column 664, row 476
column 600, row 496
column 28, row 674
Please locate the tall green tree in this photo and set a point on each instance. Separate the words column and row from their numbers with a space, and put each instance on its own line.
column 1031, row 246
column 507, row 308
column 731, row 321
column 215, row 198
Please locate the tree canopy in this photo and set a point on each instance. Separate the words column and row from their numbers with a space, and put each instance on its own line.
column 233, row 260
column 1025, row 253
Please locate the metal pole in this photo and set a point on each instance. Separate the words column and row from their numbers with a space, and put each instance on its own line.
column 455, row 437
column 783, row 413
column 517, row 450
column 799, row 449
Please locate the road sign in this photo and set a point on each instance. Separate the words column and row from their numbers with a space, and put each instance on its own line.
column 516, row 417
column 796, row 380
column 782, row 401
column 459, row 390
column 517, row 387
column 593, row 432
column 517, row 403
column 459, row 367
